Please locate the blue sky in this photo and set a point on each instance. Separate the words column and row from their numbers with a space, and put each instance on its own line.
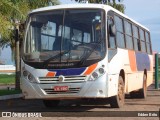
column 147, row 13
column 143, row 11
column 5, row 55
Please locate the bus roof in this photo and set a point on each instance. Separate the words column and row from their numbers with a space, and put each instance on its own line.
column 91, row 6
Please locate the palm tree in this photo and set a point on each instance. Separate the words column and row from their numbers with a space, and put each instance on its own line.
column 12, row 13
column 119, row 7
column 16, row 10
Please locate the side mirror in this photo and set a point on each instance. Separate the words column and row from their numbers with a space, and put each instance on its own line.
column 112, row 30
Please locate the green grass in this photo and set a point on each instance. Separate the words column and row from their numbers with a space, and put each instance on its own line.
column 7, row 79
column 9, row 92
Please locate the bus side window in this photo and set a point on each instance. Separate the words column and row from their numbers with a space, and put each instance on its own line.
column 148, row 44
column 137, row 43
column 128, row 34
column 120, row 32
column 111, row 38
column 142, row 39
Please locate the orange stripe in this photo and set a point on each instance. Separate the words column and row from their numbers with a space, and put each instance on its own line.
column 50, row 74
column 132, row 60
column 91, row 69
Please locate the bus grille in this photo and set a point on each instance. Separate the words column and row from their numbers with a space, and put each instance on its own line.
column 70, row 91
column 67, row 79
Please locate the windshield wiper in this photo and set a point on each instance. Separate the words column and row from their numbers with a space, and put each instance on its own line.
column 86, row 56
column 55, row 57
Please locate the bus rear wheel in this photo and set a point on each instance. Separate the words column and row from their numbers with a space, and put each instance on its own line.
column 141, row 93
column 118, row 100
column 51, row 103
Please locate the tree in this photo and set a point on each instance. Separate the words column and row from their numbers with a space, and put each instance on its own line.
column 12, row 11
column 112, row 3
column 12, row 14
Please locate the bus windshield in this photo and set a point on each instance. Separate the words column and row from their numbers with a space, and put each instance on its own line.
column 65, row 38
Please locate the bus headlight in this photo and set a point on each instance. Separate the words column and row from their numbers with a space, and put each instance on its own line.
column 96, row 74
column 101, row 70
column 29, row 76
column 25, row 73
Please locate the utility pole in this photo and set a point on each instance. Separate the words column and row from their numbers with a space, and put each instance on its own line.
column 17, row 57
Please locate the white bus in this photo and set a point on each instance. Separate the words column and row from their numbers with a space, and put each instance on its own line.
column 84, row 51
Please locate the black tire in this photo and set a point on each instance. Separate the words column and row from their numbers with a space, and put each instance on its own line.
column 51, row 103
column 118, row 100
column 141, row 93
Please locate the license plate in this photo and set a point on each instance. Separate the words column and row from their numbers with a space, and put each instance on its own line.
column 61, row 88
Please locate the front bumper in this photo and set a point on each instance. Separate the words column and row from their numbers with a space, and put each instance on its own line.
column 87, row 89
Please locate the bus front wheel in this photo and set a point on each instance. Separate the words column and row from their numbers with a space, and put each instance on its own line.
column 51, row 103
column 118, row 100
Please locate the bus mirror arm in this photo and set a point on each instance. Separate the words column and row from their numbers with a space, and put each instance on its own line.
column 112, row 30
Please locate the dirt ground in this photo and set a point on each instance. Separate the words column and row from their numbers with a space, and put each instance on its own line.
column 89, row 109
